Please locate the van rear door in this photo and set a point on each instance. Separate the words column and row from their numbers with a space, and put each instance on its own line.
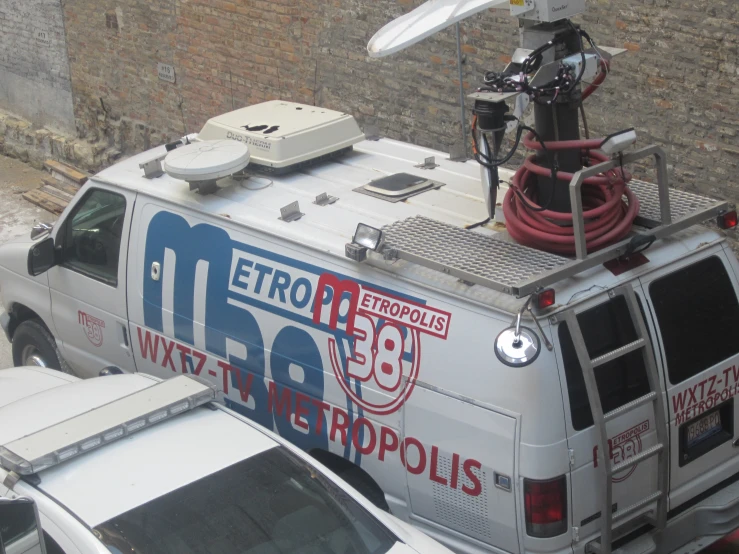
column 607, row 326
column 696, row 314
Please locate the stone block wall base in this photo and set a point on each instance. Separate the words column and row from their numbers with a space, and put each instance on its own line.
column 19, row 139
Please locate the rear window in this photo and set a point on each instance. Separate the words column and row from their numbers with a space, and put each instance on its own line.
column 605, row 328
column 698, row 316
column 272, row 503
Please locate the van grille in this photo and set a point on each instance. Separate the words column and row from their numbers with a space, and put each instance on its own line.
column 460, row 511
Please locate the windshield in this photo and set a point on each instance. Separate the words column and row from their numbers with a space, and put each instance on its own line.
column 272, row 503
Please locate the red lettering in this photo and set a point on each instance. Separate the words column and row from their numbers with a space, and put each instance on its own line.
column 455, row 471
column 415, row 316
column 149, row 351
column 340, row 427
column 385, row 306
column 435, row 477
column 184, row 352
column 339, row 287
column 278, row 405
column 418, row 469
column 366, row 300
column 201, row 361
column 711, row 390
column 385, row 446
column 678, row 401
column 301, row 410
column 244, row 391
column 378, row 299
column 440, row 323
column 405, row 311
column 423, row 319
column 168, row 349
column 691, row 392
column 322, row 408
column 371, row 444
column 395, row 310
column 476, row 488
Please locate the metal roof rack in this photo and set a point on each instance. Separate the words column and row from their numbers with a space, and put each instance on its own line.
column 520, row 270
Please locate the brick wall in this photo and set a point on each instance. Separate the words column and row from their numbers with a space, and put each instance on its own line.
column 678, row 85
column 34, row 71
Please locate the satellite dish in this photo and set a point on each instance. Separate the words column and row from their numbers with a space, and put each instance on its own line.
column 426, row 20
column 202, row 163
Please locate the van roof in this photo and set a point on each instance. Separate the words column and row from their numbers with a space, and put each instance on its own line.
column 256, row 203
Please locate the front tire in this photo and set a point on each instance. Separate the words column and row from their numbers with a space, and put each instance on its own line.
column 33, row 345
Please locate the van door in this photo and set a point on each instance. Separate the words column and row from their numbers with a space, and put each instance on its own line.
column 471, row 492
column 606, row 325
column 695, row 308
column 88, row 288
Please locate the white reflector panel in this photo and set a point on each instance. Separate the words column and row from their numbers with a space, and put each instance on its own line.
column 424, row 21
column 105, row 424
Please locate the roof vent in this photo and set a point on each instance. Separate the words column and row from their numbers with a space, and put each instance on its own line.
column 201, row 164
column 285, row 136
column 398, row 187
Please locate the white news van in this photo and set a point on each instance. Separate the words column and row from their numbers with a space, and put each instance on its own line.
column 333, row 292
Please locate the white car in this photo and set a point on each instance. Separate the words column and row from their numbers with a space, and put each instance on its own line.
column 128, row 463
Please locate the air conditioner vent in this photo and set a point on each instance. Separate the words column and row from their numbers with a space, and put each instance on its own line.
column 398, row 187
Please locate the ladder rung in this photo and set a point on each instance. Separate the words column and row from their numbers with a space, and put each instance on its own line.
column 618, row 353
column 637, row 506
column 638, row 458
column 631, row 406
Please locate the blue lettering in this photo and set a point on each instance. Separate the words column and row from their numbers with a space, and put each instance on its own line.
column 295, row 347
column 301, row 303
column 262, row 271
column 241, row 275
column 280, row 284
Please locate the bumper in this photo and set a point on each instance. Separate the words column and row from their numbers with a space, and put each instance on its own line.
column 5, row 322
column 695, row 529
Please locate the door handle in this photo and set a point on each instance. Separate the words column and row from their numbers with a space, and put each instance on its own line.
column 125, row 337
column 156, row 271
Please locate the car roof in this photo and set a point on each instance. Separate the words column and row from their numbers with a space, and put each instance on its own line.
column 119, row 476
column 327, row 229
column 19, row 383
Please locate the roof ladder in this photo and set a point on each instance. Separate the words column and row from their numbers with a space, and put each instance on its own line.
column 658, row 517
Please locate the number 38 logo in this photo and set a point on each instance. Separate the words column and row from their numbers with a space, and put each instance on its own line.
column 380, row 350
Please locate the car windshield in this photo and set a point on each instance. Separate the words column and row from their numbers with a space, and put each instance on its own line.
column 272, row 503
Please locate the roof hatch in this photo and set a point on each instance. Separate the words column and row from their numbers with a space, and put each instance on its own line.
column 398, row 187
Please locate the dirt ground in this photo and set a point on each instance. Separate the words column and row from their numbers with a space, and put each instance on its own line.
column 17, row 216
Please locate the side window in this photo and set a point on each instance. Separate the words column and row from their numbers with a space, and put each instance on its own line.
column 605, row 328
column 92, row 237
column 698, row 316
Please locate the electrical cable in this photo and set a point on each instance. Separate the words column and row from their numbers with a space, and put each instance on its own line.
column 607, row 217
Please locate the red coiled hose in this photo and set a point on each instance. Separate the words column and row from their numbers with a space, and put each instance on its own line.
column 608, row 218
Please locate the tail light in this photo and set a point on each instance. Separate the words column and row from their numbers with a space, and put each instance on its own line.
column 546, row 507
column 727, row 220
column 545, row 299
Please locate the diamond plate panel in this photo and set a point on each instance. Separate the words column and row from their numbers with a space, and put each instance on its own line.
column 681, row 203
column 484, row 257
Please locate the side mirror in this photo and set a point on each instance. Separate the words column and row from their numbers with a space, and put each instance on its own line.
column 42, row 257
column 20, row 527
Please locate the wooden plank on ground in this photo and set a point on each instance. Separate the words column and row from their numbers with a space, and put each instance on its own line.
column 63, row 172
column 45, row 201
column 69, row 188
column 57, row 193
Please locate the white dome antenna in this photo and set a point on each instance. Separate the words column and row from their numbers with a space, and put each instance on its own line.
column 201, row 164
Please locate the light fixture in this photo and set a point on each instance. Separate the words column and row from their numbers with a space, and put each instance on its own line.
column 369, row 237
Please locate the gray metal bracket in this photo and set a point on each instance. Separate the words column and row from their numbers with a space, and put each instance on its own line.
column 428, row 163
column 291, row 212
column 153, row 168
column 324, row 199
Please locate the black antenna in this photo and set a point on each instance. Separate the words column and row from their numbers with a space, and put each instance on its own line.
column 231, row 80
column 182, row 112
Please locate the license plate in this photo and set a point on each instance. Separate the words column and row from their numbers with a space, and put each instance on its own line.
column 703, row 428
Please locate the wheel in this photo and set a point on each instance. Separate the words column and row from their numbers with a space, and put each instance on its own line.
column 364, row 484
column 33, row 345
